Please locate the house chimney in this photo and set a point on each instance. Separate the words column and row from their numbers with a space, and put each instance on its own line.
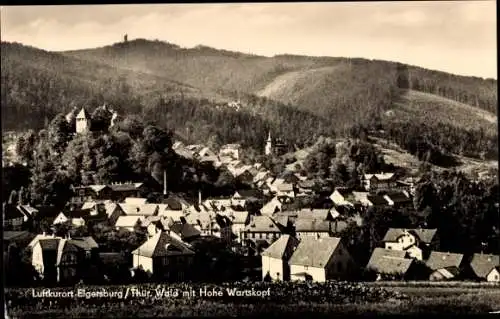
column 164, row 182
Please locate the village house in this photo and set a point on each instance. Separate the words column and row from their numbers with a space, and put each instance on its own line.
column 342, row 196
column 416, row 242
column 444, row 265
column 320, row 214
column 124, row 190
column 377, row 200
column 74, row 217
column 494, row 275
column 317, row 228
column 390, row 264
column 273, row 206
column 183, row 231
column 165, row 258
column 139, row 210
column 164, row 210
column 63, row 260
column 399, row 199
column 129, row 223
column 241, row 197
column 231, row 151
column 320, row 260
column 481, row 265
column 203, row 222
column 275, row 258
column 261, row 229
column 82, row 194
column 375, row 182
column 306, row 187
column 113, row 211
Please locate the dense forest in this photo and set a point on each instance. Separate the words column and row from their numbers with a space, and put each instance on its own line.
column 296, row 98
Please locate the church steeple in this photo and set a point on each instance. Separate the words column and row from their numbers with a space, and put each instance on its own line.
column 269, row 145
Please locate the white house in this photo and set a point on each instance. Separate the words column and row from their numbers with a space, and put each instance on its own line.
column 342, row 197
column 410, row 240
column 271, row 207
column 275, row 258
column 320, row 260
column 494, row 275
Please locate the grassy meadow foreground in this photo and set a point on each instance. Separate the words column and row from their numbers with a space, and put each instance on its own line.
column 290, row 299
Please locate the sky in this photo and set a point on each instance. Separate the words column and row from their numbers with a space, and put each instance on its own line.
column 453, row 36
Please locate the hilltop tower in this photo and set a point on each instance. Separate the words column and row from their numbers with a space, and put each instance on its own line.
column 269, row 145
column 125, row 38
column 82, row 122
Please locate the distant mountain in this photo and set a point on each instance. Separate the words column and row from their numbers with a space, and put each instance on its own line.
column 287, row 94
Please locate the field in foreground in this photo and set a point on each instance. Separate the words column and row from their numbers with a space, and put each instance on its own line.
column 323, row 300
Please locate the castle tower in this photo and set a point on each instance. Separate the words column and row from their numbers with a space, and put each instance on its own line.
column 269, row 145
column 82, row 121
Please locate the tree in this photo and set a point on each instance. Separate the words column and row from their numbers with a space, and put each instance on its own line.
column 101, row 119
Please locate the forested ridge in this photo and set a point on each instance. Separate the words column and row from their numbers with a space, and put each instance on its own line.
column 301, row 98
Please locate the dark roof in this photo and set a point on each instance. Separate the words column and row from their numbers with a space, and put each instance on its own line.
column 248, row 193
column 439, row 260
column 482, row 264
column 185, row 231
column 314, row 252
column 173, row 203
column 398, row 197
column 86, row 243
column 344, row 191
column 424, row 235
column 377, row 200
column 319, row 225
column 112, row 258
column 162, row 244
column 282, row 248
column 387, row 261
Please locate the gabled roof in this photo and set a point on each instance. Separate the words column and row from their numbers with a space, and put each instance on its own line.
column 128, row 221
column 377, row 200
column 317, row 225
column 29, row 210
column 344, row 191
column 39, row 237
column 160, row 245
column 136, row 200
column 98, row 188
column 83, row 114
column 425, row 235
column 204, row 220
column 237, row 217
column 246, row 193
column 49, row 244
column 110, row 208
column 185, row 231
column 439, row 260
column 482, row 264
column 314, row 252
column 263, row 224
column 88, row 205
column 142, row 210
column 448, row 272
column 86, row 243
column 398, row 197
column 320, row 214
column 380, row 177
column 387, row 261
column 281, row 246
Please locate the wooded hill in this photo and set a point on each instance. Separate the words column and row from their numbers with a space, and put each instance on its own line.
column 296, row 97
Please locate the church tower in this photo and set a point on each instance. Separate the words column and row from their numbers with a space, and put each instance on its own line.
column 269, row 145
column 82, row 122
